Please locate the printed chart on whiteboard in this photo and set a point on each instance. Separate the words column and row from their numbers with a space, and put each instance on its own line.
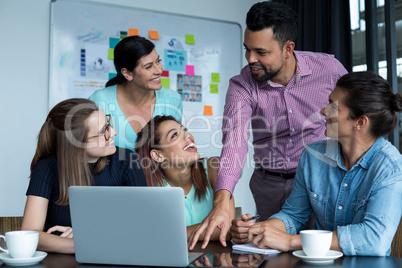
column 199, row 56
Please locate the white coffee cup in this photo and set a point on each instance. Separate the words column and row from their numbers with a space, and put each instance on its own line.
column 316, row 243
column 21, row 244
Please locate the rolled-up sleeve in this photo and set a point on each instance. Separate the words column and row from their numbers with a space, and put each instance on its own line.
column 297, row 209
column 235, row 134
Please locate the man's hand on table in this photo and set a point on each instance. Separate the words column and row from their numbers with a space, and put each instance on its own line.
column 239, row 229
column 266, row 235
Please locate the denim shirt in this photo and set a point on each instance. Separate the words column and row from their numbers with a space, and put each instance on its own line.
column 363, row 204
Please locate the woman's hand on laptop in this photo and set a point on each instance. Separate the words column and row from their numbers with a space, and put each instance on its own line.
column 64, row 230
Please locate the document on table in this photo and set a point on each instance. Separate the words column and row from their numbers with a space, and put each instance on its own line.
column 250, row 247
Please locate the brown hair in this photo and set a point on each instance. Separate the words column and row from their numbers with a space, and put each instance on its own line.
column 64, row 134
column 147, row 140
column 369, row 94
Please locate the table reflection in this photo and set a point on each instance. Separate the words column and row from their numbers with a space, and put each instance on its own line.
column 230, row 260
column 218, row 256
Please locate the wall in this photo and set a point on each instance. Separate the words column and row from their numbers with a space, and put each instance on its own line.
column 24, row 30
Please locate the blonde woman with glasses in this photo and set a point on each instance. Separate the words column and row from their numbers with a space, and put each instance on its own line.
column 75, row 147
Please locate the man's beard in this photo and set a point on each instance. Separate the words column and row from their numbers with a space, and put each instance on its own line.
column 266, row 75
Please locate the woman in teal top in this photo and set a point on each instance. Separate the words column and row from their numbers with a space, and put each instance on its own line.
column 198, row 209
column 170, row 158
column 136, row 94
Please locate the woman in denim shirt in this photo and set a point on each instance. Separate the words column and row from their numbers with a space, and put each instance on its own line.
column 351, row 182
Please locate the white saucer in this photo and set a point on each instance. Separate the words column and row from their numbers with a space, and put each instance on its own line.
column 329, row 258
column 37, row 257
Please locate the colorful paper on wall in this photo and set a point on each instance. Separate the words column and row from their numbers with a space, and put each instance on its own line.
column 111, row 53
column 190, row 39
column 208, row 110
column 189, row 87
column 190, row 70
column 153, row 35
column 133, row 32
column 215, row 77
column 213, row 88
column 175, row 60
column 173, row 42
column 113, row 42
column 165, row 82
column 165, row 73
column 83, row 68
column 111, row 75
column 123, row 34
column 97, row 62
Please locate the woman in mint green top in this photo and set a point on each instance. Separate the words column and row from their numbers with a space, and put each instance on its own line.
column 198, row 209
column 136, row 94
column 169, row 158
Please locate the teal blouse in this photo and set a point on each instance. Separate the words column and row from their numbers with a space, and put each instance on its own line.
column 167, row 102
column 197, row 210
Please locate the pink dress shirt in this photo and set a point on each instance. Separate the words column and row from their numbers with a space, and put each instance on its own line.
column 284, row 119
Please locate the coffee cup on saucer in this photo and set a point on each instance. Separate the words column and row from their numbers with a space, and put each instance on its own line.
column 20, row 244
column 316, row 243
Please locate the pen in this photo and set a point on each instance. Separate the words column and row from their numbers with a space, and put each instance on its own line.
column 252, row 218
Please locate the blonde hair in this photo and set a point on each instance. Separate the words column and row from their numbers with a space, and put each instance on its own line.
column 64, row 134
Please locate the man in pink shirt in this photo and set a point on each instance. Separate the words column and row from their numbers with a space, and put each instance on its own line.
column 280, row 93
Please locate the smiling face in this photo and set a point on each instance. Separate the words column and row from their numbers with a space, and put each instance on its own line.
column 147, row 74
column 263, row 53
column 176, row 146
column 97, row 146
column 339, row 125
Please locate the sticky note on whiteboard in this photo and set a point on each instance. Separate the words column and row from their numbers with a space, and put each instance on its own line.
column 213, row 89
column 165, row 73
column 190, row 39
column 113, row 42
column 123, row 34
column 208, row 110
column 111, row 54
column 190, row 70
column 165, row 82
column 133, row 32
column 111, row 75
column 154, row 35
column 215, row 77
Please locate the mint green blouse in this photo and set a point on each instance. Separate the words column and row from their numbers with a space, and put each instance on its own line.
column 197, row 210
column 167, row 102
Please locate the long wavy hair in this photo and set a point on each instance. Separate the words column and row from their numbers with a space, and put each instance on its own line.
column 147, row 140
column 65, row 134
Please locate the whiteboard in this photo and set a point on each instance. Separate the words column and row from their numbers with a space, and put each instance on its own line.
column 82, row 35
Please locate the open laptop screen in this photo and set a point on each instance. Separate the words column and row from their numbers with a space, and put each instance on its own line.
column 129, row 225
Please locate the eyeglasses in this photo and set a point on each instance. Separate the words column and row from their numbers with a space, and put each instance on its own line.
column 106, row 130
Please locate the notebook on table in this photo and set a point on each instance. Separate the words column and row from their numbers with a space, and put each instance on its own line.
column 130, row 226
column 251, row 248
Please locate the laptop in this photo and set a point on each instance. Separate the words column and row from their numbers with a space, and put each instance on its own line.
column 130, row 226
